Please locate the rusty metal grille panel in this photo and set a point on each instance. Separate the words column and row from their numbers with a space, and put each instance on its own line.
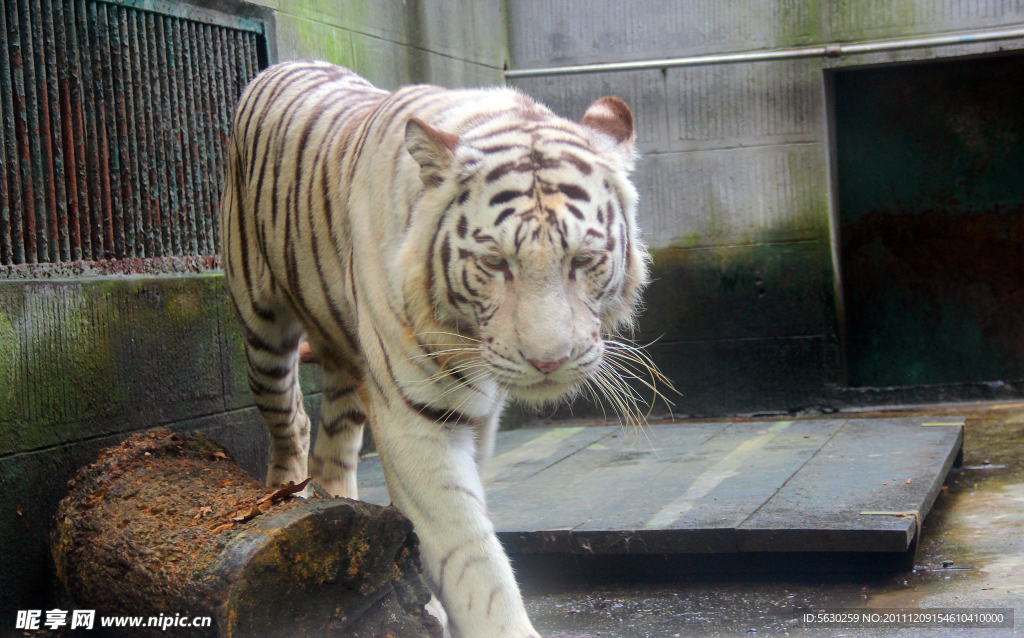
column 114, row 123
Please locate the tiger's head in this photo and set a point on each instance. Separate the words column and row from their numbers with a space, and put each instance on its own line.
column 533, row 248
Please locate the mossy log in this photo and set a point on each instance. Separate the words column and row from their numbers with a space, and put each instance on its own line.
column 167, row 525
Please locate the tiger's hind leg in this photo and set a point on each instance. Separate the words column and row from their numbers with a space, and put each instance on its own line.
column 334, row 459
column 272, row 353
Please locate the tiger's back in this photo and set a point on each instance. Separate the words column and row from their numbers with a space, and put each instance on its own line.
column 440, row 251
column 294, row 125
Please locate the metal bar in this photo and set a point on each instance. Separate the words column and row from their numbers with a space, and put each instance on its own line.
column 115, row 116
column 124, row 208
column 199, row 173
column 187, row 138
column 158, row 130
column 32, row 178
column 194, row 185
column 87, row 25
column 107, row 134
column 211, row 118
column 254, row 59
column 248, row 70
column 243, row 64
column 220, row 131
column 56, row 81
column 166, row 125
column 137, row 135
column 5, row 200
column 12, row 210
column 201, row 70
column 225, row 97
column 76, row 102
column 204, row 78
column 45, row 205
column 20, row 169
column 174, row 82
column 129, row 140
column 220, row 75
column 143, row 130
column 820, row 51
column 6, row 115
column 63, row 36
column 46, row 218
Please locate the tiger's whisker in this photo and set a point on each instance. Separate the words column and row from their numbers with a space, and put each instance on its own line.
column 452, row 334
column 449, row 372
column 441, row 353
column 628, row 408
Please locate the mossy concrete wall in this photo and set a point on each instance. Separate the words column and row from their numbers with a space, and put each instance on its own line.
column 735, row 179
column 454, row 43
column 86, row 361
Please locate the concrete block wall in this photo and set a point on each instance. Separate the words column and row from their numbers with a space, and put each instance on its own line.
column 735, row 180
column 393, row 43
column 87, row 360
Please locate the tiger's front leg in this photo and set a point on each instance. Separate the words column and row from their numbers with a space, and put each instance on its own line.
column 432, row 477
column 336, row 453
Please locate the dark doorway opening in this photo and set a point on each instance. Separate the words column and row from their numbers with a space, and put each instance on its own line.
column 930, row 162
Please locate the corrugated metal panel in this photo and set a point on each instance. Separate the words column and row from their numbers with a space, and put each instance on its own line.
column 114, row 120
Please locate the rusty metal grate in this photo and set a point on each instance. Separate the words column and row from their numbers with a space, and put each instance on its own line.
column 114, row 121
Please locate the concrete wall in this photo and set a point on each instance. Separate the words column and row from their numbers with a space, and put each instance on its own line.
column 735, row 179
column 393, row 42
column 86, row 360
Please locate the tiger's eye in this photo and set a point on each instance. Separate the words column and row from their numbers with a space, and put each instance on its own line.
column 495, row 262
column 583, row 260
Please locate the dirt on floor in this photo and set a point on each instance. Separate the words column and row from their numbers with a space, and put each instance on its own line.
column 970, row 557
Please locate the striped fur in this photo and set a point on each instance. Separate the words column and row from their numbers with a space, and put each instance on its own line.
column 441, row 251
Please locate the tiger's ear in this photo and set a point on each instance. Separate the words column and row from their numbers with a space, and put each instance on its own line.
column 432, row 149
column 611, row 117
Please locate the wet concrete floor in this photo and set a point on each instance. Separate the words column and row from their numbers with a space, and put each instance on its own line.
column 970, row 556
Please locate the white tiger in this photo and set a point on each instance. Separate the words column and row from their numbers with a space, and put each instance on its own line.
column 441, row 251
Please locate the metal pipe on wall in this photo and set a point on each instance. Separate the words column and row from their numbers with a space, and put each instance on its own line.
column 827, row 51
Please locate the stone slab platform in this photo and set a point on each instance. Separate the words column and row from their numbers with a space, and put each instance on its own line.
column 830, row 485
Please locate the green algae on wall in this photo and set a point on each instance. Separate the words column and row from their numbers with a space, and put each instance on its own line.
column 737, row 292
column 396, row 43
column 93, row 357
column 799, row 23
column 58, row 365
column 301, row 38
column 8, row 355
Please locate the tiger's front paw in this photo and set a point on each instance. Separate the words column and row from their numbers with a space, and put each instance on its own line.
column 285, row 469
column 336, row 477
column 436, row 609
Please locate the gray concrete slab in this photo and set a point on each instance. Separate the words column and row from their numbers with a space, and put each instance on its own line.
column 971, row 555
column 828, row 485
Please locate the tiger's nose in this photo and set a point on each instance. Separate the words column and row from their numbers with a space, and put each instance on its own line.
column 547, row 366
